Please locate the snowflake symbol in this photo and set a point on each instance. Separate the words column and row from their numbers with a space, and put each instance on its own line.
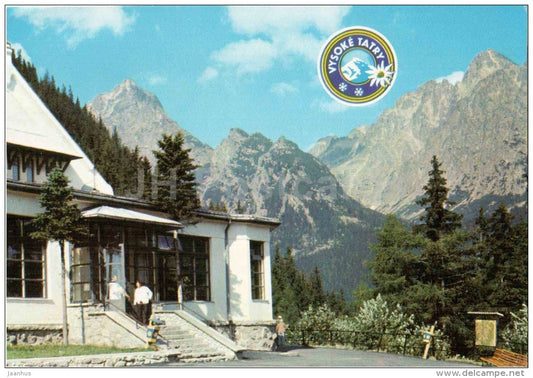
column 358, row 92
column 343, row 87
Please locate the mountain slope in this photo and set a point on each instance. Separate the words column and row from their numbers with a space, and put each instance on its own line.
column 323, row 225
column 477, row 128
column 140, row 119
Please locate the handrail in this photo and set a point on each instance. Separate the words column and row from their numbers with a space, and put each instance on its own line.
column 367, row 339
column 137, row 323
column 200, row 317
column 108, row 304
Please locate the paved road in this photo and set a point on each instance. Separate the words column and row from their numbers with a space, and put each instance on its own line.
column 327, row 357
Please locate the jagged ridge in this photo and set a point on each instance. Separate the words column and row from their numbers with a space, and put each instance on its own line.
column 477, row 128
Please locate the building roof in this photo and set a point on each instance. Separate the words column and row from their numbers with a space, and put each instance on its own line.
column 245, row 218
column 30, row 124
column 138, row 203
column 116, row 213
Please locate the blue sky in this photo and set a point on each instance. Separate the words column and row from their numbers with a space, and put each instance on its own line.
column 217, row 67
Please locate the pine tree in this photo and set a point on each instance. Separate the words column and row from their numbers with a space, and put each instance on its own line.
column 175, row 189
column 60, row 221
column 437, row 219
column 396, row 266
column 317, row 295
column 506, row 261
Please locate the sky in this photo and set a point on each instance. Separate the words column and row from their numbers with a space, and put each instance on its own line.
column 216, row 67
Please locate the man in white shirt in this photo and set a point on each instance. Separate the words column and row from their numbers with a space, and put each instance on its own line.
column 142, row 298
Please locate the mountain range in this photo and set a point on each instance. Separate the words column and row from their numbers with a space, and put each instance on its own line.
column 332, row 199
column 477, row 128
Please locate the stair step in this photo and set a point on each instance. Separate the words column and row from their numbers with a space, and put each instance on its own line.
column 193, row 345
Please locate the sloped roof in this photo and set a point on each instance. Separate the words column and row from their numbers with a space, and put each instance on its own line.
column 30, row 124
column 108, row 212
column 244, row 218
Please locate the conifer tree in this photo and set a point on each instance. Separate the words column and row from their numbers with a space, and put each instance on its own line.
column 396, row 266
column 316, row 289
column 437, row 220
column 175, row 189
column 60, row 221
column 506, row 261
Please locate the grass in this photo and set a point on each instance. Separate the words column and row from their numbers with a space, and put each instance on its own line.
column 60, row 350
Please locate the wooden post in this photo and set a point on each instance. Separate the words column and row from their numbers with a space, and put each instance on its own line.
column 427, row 339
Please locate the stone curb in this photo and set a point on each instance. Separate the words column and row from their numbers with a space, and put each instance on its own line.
column 100, row 360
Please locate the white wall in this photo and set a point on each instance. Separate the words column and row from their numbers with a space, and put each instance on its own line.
column 40, row 311
column 37, row 311
column 242, row 307
column 20, row 203
column 215, row 309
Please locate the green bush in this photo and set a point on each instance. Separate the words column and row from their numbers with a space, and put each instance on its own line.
column 515, row 335
column 375, row 325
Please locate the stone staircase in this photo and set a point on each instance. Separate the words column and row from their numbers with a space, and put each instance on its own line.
column 195, row 341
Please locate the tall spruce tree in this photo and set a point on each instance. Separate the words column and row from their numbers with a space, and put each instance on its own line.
column 61, row 221
column 437, row 220
column 285, row 301
column 506, row 261
column 317, row 295
column 175, row 187
column 396, row 265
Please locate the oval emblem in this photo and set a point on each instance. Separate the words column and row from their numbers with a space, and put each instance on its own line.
column 357, row 66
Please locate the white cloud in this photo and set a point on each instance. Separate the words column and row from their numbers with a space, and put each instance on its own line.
column 282, row 89
column 247, row 56
column 453, row 78
column 276, row 33
column 77, row 23
column 209, row 74
column 157, row 79
column 272, row 20
column 332, row 106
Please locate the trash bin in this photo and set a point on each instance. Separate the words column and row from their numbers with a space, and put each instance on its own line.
column 152, row 330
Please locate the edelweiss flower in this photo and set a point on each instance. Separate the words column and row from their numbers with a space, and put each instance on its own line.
column 380, row 75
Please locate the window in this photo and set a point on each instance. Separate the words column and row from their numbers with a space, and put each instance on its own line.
column 29, row 171
column 80, row 268
column 15, row 169
column 194, row 265
column 257, row 270
column 86, row 270
column 25, row 260
column 165, row 241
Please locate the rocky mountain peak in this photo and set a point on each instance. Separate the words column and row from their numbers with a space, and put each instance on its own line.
column 128, row 83
column 286, row 144
column 477, row 128
column 483, row 65
column 140, row 119
column 236, row 134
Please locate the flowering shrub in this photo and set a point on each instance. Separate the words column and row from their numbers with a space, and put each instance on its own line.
column 515, row 335
column 376, row 325
column 317, row 323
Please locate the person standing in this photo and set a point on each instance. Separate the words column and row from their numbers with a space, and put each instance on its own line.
column 142, row 301
column 116, row 294
column 281, row 328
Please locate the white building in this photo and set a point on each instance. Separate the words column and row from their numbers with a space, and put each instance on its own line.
column 223, row 260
